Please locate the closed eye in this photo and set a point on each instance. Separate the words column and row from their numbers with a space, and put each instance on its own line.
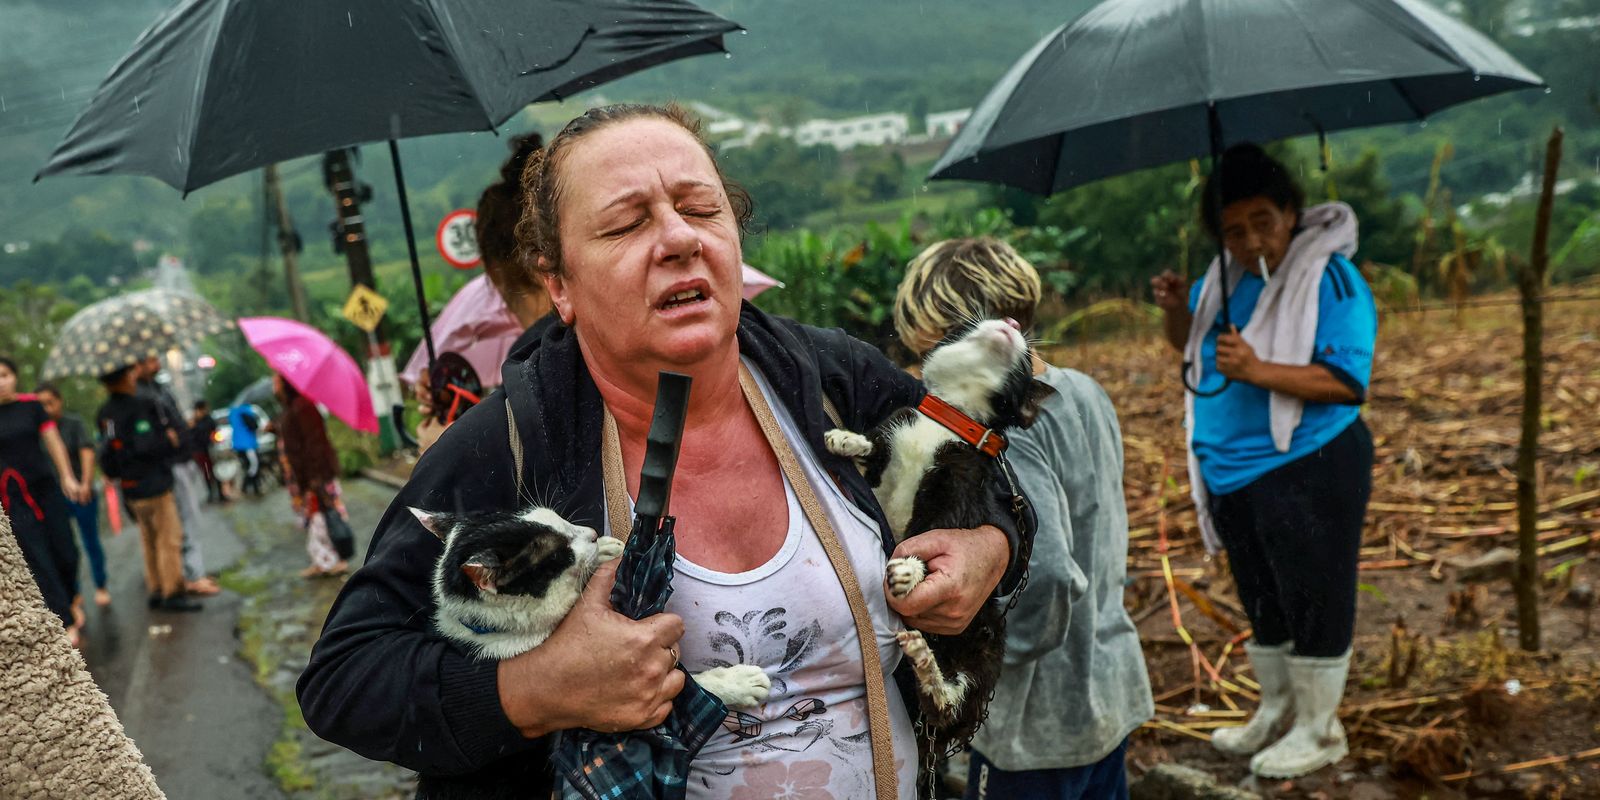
column 615, row 232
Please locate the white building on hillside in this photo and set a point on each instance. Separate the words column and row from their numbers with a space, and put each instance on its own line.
column 843, row 134
column 945, row 124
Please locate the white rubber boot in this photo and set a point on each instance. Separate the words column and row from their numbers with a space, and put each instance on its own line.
column 1271, row 669
column 1317, row 738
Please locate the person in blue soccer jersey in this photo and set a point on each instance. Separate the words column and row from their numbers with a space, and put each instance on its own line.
column 1279, row 459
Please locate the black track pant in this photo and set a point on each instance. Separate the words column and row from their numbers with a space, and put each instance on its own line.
column 1293, row 537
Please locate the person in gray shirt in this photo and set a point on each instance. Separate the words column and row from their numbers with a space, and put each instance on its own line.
column 1074, row 684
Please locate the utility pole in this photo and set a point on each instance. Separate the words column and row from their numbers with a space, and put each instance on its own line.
column 351, row 237
column 288, row 242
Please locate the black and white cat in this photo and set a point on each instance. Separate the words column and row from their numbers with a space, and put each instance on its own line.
column 506, row 579
column 927, row 478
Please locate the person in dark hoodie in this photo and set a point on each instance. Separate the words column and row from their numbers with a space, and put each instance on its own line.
column 642, row 259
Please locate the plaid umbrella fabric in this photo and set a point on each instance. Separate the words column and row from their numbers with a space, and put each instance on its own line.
column 121, row 331
column 652, row 763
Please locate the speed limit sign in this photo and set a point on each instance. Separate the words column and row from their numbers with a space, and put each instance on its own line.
column 457, row 240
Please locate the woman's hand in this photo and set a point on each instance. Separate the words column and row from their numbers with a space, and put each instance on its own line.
column 598, row 670
column 75, row 491
column 1236, row 359
column 1172, row 296
column 963, row 569
column 1171, row 291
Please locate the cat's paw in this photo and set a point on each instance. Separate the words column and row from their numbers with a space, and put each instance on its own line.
column 609, row 547
column 904, row 574
column 740, row 686
column 849, row 444
column 916, row 648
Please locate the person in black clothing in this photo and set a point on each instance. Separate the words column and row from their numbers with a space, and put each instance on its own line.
column 186, row 481
column 30, row 445
column 202, row 428
column 138, row 440
column 651, row 282
column 80, row 452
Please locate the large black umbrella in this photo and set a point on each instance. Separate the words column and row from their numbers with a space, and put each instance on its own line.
column 654, row 763
column 1132, row 84
column 219, row 87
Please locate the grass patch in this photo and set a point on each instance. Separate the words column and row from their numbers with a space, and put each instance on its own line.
column 285, row 766
column 242, row 582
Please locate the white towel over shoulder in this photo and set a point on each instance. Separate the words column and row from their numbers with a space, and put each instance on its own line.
column 1282, row 329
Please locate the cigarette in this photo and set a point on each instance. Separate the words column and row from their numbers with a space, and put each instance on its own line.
column 1262, row 261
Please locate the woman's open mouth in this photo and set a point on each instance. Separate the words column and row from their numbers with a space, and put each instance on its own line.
column 683, row 298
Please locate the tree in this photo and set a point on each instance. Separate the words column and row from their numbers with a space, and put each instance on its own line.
column 788, row 181
column 1531, row 283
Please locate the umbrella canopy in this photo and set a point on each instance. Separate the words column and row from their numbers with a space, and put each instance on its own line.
column 120, row 331
column 219, row 87
column 477, row 325
column 756, row 282
column 320, row 369
column 1137, row 83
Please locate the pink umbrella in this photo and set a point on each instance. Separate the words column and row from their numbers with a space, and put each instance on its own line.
column 477, row 324
column 320, row 369
column 756, row 282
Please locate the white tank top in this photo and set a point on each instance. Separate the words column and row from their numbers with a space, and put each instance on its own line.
column 789, row 616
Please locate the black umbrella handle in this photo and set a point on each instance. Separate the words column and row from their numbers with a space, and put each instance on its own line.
column 661, row 445
column 1214, row 123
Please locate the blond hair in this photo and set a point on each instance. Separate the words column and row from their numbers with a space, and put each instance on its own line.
column 958, row 280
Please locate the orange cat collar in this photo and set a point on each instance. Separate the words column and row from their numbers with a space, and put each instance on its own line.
column 984, row 439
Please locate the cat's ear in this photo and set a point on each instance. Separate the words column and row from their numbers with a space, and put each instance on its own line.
column 437, row 524
column 1038, row 392
column 483, row 569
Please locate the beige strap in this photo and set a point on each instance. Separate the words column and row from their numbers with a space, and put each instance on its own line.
column 832, row 412
column 616, row 483
column 886, row 779
column 516, row 445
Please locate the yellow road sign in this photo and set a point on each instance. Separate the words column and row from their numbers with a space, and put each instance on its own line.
column 365, row 308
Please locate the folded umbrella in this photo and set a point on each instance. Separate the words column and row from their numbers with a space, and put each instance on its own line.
column 318, row 368
column 124, row 330
column 654, row 763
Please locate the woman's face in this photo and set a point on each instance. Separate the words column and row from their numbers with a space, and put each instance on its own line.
column 649, row 245
column 8, row 383
column 1256, row 228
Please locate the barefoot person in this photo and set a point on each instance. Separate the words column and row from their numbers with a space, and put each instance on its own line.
column 638, row 243
column 1280, row 461
column 1073, row 684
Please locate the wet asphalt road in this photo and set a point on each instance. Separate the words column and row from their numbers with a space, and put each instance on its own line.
column 176, row 680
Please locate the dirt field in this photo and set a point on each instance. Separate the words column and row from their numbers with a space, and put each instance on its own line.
column 1441, row 701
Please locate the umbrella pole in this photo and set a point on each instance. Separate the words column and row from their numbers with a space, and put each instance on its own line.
column 1214, row 122
column 1214, row 183
column 411, row 245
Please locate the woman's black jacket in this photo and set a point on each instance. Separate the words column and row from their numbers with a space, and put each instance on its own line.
column 380, row 681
